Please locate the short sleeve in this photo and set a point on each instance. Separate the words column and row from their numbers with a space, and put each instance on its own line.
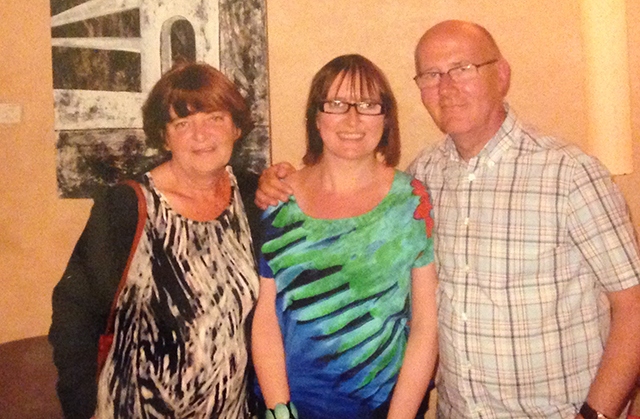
column 600, row 226
column 263, row 267
column 426, row 257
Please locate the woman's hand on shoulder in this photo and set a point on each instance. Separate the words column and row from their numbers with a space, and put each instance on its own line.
column 271, row 186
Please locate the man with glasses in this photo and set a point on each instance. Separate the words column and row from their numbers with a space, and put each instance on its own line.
column 534, row 248
column 531, row 234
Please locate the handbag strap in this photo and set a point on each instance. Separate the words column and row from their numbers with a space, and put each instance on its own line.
column 142, row 218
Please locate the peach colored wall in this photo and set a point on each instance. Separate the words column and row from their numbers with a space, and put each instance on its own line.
column 37, row 230
column 630, row 184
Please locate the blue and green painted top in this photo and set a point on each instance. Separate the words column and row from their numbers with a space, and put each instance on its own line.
column 343, row 297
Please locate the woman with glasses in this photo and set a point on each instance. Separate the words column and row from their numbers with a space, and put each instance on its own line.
column 345, row 324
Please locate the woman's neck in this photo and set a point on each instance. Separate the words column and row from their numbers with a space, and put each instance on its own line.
column 199, row 198
column 196, row 184
column 332, row 190
column 346, row 176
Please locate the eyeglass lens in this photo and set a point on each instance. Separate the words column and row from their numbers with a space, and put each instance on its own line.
column 341, row 107
column 462, row 73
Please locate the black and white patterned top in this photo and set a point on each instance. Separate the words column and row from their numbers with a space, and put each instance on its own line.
column 180, row 341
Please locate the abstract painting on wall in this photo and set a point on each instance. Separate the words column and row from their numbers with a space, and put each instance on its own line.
column 107, row 55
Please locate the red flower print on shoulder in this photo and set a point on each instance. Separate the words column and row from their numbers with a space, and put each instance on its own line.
column 423, row 212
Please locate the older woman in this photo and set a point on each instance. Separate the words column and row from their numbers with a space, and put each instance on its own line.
column 345, row 325
column 180, row 346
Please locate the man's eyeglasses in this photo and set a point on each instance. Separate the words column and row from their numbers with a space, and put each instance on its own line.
column 459, row 74
column 341, row 107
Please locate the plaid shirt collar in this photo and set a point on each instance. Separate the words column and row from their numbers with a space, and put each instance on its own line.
column 504, row 139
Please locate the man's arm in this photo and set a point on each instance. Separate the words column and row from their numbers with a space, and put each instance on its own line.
column 620, row 363
column 600, row 226
column 271, row 187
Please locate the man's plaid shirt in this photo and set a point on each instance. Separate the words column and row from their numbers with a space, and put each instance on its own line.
column 528, row 234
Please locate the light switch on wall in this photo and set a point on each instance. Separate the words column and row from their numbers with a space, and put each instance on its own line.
column 10, row 113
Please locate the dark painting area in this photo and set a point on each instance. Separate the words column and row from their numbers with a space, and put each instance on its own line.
column 99, row 143
column 92, row 159
column 124, row 24
column 98, row 69
column 89, row 69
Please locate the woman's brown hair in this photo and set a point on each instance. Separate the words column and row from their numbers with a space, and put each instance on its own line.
column 187, row 89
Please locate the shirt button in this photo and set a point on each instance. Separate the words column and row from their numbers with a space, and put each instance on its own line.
column 467, row 268
column 490, row 163
column 464, row 316
column 472, row 177
column 466, row 221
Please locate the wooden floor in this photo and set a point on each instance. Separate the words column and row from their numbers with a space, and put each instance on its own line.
column 27, row 380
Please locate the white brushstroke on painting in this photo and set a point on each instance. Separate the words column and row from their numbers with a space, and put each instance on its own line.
column 154, row 46
column 156, row 18
column 115, row 44
column 92, row 9
column 85, row 109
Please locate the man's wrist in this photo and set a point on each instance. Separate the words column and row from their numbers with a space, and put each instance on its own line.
column 588, row 412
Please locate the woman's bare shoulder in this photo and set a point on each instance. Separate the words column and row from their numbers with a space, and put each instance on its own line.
column 298, row 180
